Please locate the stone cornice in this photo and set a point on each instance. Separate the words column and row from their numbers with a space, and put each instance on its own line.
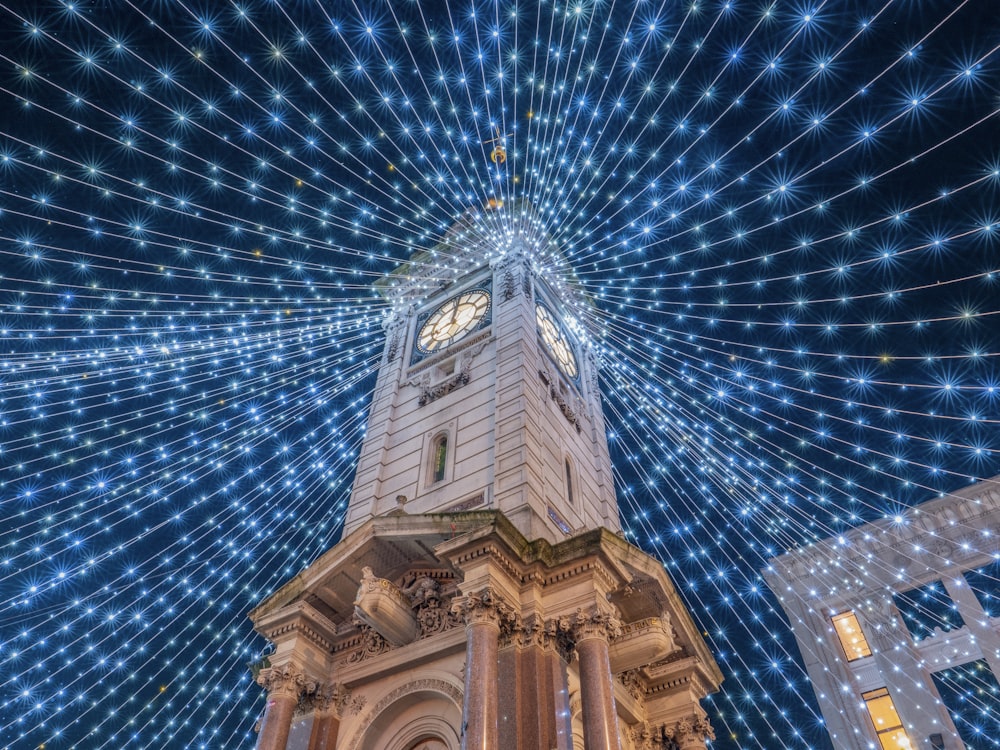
column 299, row 619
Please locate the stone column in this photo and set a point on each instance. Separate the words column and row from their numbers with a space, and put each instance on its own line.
column 533, row 691
column 326, row 719
column 691, row 732
column 484, row 614
column 592, row 631
column 284, row 684
column 975, row 618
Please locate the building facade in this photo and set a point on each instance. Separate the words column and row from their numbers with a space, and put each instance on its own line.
column 482, row 595
column 872, row 677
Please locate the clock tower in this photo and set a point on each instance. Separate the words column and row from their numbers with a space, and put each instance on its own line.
column 487, row 396
column 482, row 596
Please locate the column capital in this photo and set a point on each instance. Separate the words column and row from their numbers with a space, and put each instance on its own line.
column 484, row 607
column 594, row 622
column 286, row 680
column 690, row 732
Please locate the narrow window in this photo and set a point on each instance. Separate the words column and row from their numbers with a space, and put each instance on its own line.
column 440, row 458
column 569, row 482
column 852, row 638
column 888, row 725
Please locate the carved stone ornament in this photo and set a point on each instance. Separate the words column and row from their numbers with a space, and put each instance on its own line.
column 393, row 327
column 643, row 737
column 509, row 285
column 690, row 731
column 595, row 622
column 572, row 415
column 286, row 680
column 633, row 683
column 372, row 644
column 485, row 606
column 532, row 631
column 886, row 631
column 430, row 391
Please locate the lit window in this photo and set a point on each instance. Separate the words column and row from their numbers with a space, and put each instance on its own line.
column 851, row 637
column 887, row 723
column 440, row 458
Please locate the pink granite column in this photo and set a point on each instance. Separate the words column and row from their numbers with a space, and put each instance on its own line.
column 484, row 614
column 283, row 685
column 599, row 713
column 326, row 719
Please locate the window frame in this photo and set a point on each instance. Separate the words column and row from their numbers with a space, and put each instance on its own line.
column 846, row 647
column 887, row 736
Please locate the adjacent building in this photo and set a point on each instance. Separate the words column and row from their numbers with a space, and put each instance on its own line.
column 871, row 666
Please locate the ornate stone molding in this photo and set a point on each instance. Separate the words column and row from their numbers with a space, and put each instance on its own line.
column 425, row 596
column 424, row 685
column 325, row 698
column 430, row 391
column 633, row 683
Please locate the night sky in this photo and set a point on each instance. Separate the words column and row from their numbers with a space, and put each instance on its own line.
column 786, row 213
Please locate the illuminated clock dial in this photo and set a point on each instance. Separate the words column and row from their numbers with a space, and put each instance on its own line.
column 556, row 341
column 451, row 322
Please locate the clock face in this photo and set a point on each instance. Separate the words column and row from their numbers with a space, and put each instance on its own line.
column 556, row 341
column 454, row 320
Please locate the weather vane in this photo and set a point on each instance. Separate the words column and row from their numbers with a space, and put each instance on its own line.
column 499, row 153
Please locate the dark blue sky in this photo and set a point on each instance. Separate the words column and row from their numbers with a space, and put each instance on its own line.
column 786, row 215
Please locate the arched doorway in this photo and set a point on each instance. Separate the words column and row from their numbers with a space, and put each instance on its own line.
column 431, row 743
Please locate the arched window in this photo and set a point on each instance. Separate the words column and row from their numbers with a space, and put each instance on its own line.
column 439, row 458
column 569, row 482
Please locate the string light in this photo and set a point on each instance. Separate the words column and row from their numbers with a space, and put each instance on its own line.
column 785, row 216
